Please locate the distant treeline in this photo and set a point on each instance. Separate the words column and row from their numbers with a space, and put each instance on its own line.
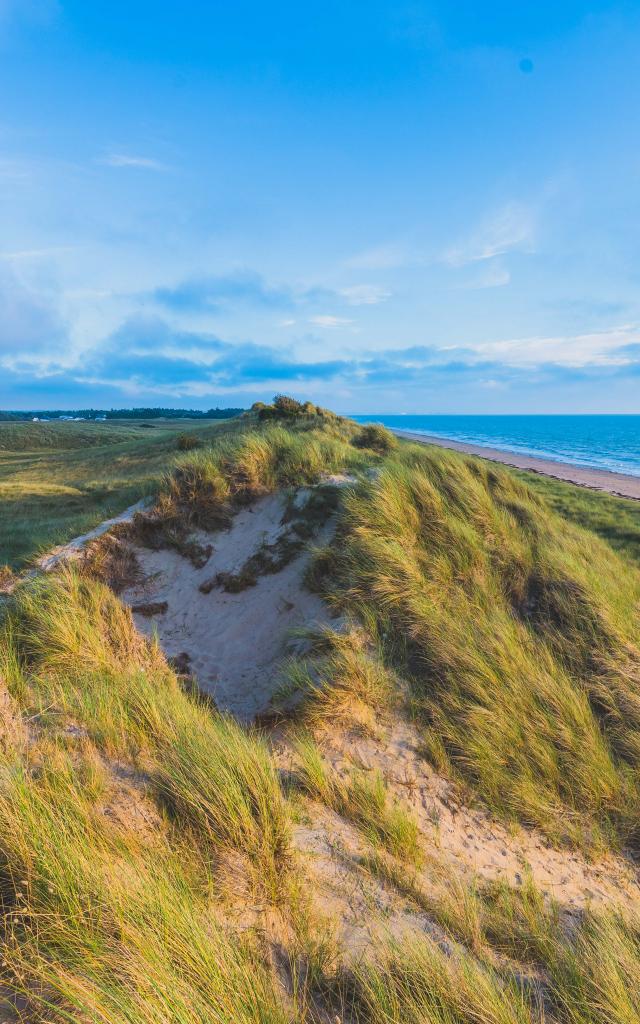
column 124, row 414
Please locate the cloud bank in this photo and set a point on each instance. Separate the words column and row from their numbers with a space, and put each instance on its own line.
column 149, row 357
column 213, row 293
column 164, row 355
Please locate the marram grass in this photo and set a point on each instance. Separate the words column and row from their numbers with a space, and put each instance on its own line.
column 82, row 658
column 517, row 631
column 517, row 636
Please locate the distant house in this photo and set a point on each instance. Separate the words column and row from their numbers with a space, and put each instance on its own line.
column 65, row 417
column 36, row 419
column 101, row 419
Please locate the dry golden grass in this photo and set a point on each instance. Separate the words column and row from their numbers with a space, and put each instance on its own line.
column 517, row 635
column 362, row 798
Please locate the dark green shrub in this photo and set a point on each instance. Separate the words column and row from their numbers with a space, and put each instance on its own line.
column 284, row 408
column 266, row 412
column 187, row 442
column 288, row 407
column 376, row 437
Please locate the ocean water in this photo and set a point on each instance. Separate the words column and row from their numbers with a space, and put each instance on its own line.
column 596, row 442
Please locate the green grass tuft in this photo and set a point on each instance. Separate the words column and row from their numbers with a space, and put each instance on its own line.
column 518, row 633
column 362, row 798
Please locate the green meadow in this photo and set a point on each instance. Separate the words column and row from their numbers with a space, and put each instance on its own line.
column 616, row 520
column 58, row 480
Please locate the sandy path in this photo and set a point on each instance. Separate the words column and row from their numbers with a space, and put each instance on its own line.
column 620, row 484
column 470, row 838
column 74, row 548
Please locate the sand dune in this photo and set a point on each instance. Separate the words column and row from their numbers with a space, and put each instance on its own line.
column 232, row 643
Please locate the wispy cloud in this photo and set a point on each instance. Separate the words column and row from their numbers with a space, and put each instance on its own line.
column 490, row 275
column 133, row 160
column 36, row 254
column 598, row 348
column 215, row 291
column 365, row 294
column 246, row 287
column 379, row 257
column 512, row 227
column 330, row 321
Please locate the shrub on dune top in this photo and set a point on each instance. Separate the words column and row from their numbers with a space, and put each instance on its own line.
column 187, row 442
column 205, row 486
column 377, row 438
column 287, row 406
column 284, row 407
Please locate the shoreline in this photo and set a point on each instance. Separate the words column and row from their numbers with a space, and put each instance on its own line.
column 619, row 484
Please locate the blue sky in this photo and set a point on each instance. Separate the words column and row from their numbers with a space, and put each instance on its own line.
column 384, row 207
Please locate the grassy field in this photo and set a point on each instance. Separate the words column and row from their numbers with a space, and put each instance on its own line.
column 147, row 869
column 58, row 480
column 616, row 520
column 27, row 436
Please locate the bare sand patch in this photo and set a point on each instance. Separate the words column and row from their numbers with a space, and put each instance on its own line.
column 461, row 844
column 232, row 643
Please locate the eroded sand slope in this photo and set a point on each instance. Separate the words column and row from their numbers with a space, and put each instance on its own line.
column 234, row 642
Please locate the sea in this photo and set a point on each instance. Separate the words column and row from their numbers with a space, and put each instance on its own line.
column 595, row 442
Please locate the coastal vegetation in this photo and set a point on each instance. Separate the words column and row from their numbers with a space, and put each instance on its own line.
column 487, row 602
column 161, row 862
column 140, row 413
column 615, row 519
column 58, row 480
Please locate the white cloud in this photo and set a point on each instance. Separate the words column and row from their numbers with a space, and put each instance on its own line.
column 330, row 321
column 600, row 348
column 285, row 323
column 35, row 254
column 491, row 275
column 379, row 257
column 29, row 322
column 131, row 160
column 365, row 294
column 512, row 227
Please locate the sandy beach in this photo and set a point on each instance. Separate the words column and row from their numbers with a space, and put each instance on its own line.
column 597, row 479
